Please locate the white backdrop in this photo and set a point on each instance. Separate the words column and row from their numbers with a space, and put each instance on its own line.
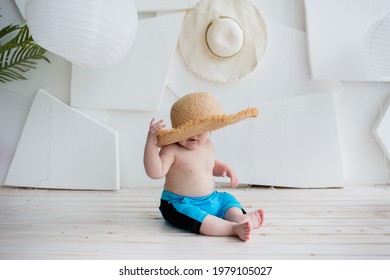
column 283, row 76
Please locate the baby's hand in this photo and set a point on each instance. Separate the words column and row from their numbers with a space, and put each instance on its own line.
column 154, row 128
column 232, row 175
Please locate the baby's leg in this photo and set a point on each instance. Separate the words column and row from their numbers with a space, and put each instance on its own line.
column 215, row 226
column 256, row 218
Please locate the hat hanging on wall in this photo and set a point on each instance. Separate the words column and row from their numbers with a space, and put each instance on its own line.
column 223, row 40
column 89, row 32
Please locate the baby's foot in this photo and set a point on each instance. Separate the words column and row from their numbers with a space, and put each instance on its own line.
column 256, row 218
column 243, row 231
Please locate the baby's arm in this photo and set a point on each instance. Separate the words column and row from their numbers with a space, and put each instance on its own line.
column 156, row 166
column 221, row 170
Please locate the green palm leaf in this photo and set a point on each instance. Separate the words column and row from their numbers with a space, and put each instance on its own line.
column 18, row 54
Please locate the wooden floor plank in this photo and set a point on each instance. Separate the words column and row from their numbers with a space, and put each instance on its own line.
column 345, row 223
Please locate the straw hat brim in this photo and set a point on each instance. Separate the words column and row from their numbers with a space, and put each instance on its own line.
column 193, row 45
column 195, row 127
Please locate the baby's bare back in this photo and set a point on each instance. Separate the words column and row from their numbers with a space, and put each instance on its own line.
column 191, row 173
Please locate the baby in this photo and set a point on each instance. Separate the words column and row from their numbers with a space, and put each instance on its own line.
column 187, row 161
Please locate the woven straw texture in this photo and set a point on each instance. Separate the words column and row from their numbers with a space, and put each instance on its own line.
column 196, row 113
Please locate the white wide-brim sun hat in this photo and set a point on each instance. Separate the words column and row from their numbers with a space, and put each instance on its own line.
column 223, row 40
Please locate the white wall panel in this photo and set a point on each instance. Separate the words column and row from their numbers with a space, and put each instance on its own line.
column 358, row 108
column 287, row 12
column 13, row 113
column 21, row 4
column 137, row 82
column 60, row 147
column 382, row 130
column 336, row 29
column 382, row 134
column 294, row 142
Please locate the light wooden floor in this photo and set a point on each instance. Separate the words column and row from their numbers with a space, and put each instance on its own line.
column 348, row 223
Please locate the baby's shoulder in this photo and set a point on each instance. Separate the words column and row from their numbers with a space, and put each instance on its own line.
column 170, row 149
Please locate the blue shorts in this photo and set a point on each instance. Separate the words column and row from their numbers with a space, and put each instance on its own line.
column 189, row 212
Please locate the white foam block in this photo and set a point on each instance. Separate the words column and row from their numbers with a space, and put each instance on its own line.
column 61, row 147
column 138, row 81
column 336, row 29
column 13, row 113
column 293, row 143
column 382, row 130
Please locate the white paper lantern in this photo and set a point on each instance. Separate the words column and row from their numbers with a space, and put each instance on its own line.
column 94, row 33
column 377, row 46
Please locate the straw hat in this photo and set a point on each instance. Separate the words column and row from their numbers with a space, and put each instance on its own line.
column 196, row 113
column 223, row 40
